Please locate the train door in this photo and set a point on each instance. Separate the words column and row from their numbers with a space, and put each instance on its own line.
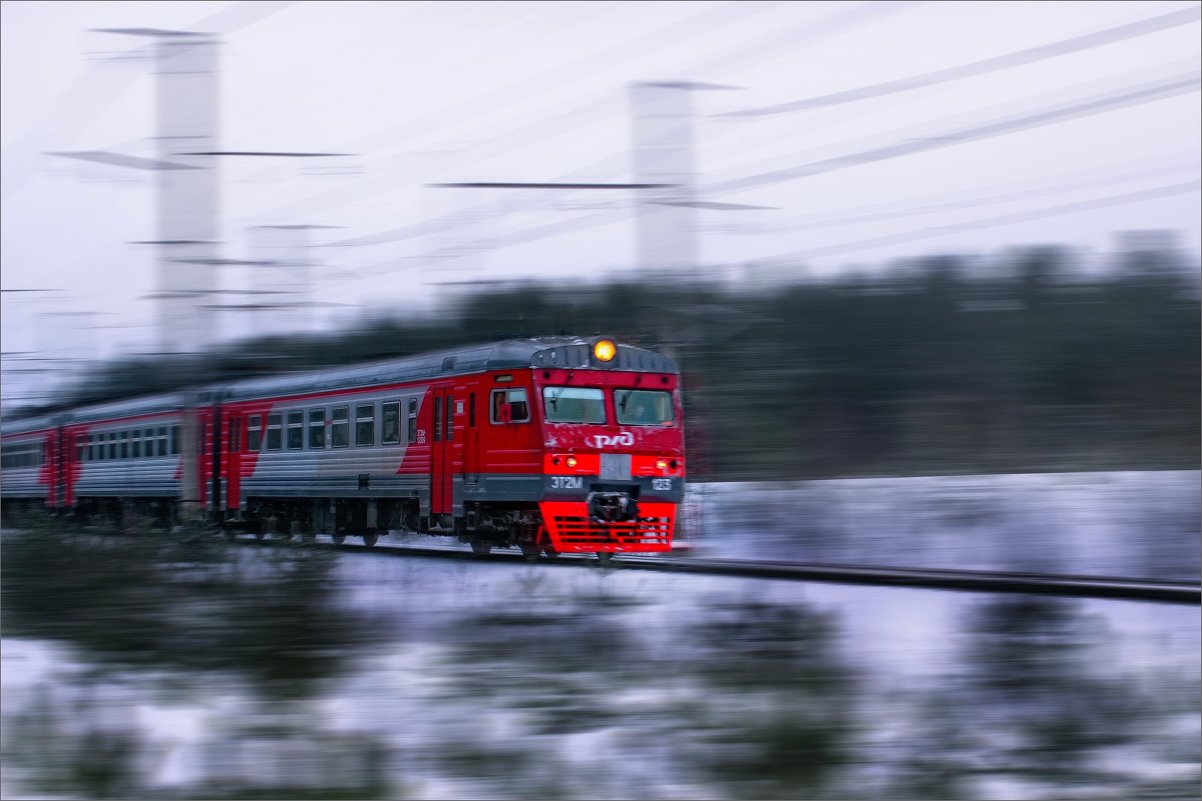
column 215, row 446
column 233, row 463
column 60, row 448
column 75, row 469
column 470, row 447
column 444, row 450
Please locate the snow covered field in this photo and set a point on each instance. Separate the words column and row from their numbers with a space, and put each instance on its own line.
column 1130, row 524
column 456, row 679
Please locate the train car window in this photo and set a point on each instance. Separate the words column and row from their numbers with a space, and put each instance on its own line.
column 112, row 445
column 390, row 423
column 235, row 443
column 365, row 424
column 437, row 421
column 340, row 430
column 135, row 444
column 175, row 440
column 637, row 407
column 317, row 429
column 81, row 447
column 412, row 420
column 573, row 405
column 124, row 444
column 509, row 406
column 296, row 430
column 450, row 419
column 254, row 433
column 163, row 437
column 471, row 410
column 275, row 433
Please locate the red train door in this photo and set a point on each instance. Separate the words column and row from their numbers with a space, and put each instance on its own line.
column 443, row 450
column 60, row 450
column 233, row 463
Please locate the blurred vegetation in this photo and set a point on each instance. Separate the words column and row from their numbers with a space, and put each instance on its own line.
column 590, row 687
column 1038, row 708
column 182, row 619
column 942, row 365
column 181, row 600
column 747, row 698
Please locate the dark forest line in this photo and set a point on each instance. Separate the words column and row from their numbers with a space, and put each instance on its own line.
column 939, row 366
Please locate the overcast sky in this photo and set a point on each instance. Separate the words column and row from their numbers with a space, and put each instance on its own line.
column 1066, row 147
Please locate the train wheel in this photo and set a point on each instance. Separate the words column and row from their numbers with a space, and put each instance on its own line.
column 551, row 553
column 606, row 558
column 531, row 550
column 338, row 538
column 371, row 538
column 481, row 548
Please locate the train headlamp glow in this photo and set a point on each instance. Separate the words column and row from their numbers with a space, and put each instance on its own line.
column 571, row 461
column 605, row 350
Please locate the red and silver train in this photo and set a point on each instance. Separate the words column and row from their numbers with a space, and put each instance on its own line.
column 550, row 445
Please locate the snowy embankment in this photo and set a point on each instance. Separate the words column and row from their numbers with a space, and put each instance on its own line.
column 1140, row 524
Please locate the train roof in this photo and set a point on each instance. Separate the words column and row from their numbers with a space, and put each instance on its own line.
column 561, row 352
column 514, row 354
column 130, row 407
column 27, row 425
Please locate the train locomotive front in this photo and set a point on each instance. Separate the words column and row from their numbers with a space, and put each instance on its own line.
column 613, row 447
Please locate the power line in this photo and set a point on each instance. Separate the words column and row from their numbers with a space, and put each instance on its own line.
column 1144, row 93
column 781, row 39
column 1096, row 104
column 935, row 204
column 82, row 100
column 993, row 222
column 1016, row 58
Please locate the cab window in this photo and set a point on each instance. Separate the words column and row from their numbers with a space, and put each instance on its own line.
column 510, row 405
column 637, row 407
column 574, row 405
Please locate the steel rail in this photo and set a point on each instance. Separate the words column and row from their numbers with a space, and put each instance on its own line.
column 1105, row 587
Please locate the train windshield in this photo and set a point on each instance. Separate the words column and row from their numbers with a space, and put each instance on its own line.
column 637, row 407
column 573, row 405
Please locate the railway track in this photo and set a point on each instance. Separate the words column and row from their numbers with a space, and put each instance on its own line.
column 918, row 578
column 1076, row 586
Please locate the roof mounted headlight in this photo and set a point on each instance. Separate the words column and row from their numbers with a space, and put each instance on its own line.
column 604, row 350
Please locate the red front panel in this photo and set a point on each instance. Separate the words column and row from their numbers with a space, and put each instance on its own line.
column 571, row 530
